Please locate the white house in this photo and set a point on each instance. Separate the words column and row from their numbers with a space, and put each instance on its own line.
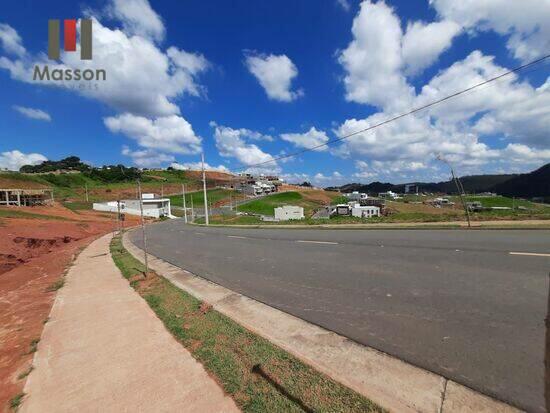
column 388, row 194
column 288, row 212
column 152, row 207
column 360, row 211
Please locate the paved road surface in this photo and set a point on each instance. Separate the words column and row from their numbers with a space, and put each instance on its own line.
column 454, row 302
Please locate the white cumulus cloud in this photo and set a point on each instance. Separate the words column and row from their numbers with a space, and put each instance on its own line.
column 11, row 41
column 196, row 166
column 309, row 139
column 511, row 109
column 232, row 143
column 168, row 133
column 275, row 74
column 424, row 42
column 138, row 18
column 525, row 22
column 13, row 160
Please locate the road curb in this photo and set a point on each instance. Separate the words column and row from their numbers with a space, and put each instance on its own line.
column 392, row 383
column 372, row 227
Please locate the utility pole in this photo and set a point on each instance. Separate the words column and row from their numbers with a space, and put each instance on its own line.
column 86, row 190
column 459, row 188
column 144, row 235
column 204, row 190
column 192, row 209
column 184, row 206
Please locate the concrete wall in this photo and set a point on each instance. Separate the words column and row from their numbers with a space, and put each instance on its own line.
column 365, row 211
column 112, row 207
column 288, row 212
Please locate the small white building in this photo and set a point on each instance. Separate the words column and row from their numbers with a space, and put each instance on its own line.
column 388, row 194
column 360, row 211
column 152, row 207
column 289, row 212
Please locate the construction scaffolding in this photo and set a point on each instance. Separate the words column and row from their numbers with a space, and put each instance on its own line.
column 26, row 197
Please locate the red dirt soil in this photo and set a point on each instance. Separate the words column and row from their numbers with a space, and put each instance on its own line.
column 34, row 254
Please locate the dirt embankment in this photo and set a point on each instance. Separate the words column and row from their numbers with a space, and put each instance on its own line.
column 34, row 254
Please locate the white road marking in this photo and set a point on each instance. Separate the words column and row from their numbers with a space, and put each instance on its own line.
column 200, row 233
column 319, row 242
column 532, row 254
column 236, row 236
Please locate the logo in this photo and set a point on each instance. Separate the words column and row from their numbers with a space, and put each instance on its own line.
column 70, row 38
column 44, row 73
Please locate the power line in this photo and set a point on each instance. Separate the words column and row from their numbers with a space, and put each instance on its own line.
column 393, row 119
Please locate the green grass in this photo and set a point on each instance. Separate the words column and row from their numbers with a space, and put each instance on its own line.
column 167, row 176
column 71, row 185
column 266, row 205
column 214, row 195
column 497, row 201
column 34, row 346
column 229, row 352
column 25, row 373
column 56, row 285
column 16, row 401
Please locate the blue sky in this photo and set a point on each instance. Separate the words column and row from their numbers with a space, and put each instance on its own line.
column 247, row 81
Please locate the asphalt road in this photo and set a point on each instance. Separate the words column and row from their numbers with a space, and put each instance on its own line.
column 454, row 302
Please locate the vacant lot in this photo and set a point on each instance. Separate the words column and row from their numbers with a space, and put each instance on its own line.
column 310, row 200
column 215, row 198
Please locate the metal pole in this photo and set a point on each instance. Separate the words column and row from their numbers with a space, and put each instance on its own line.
column 204, row 190
column 192, row 209
column 184, row 206
column 143, row 228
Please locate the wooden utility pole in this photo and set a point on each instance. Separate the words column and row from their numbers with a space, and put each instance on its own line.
column 459, row 188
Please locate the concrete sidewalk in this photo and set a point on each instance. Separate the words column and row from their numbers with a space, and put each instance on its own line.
column 105, row 350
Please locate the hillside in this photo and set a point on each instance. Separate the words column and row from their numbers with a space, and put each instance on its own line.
column 533, row 184
column 72, row 186
column 309, row 199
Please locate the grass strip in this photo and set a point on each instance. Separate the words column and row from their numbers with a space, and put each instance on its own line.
column 258, row 375
column 15, row 402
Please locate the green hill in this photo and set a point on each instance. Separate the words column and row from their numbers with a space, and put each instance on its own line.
column 530, row 185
